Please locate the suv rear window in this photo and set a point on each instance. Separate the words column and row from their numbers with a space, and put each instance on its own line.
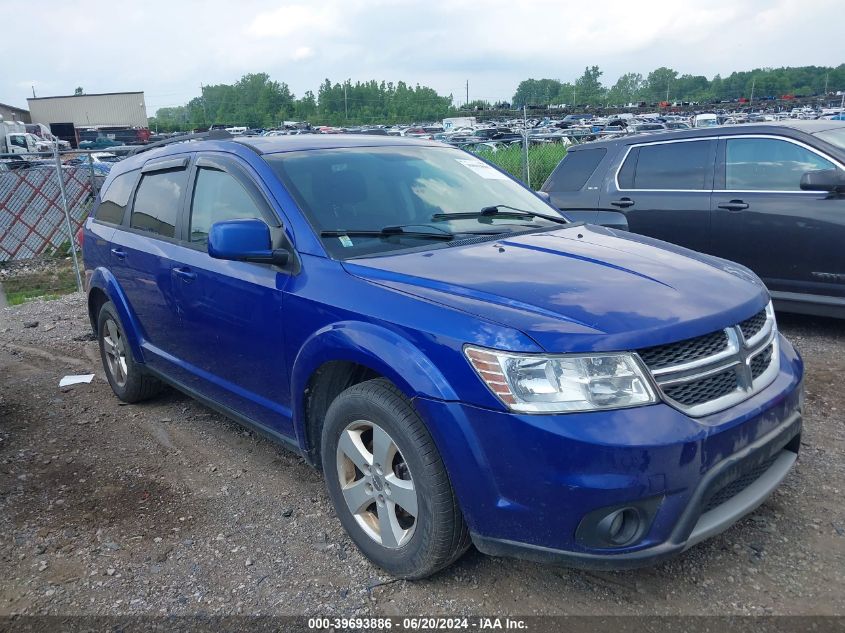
column 157, row 202
column 575, row 169
column 115, row 198
column 679, row 166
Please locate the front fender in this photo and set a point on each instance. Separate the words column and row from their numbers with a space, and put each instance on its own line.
column 373, row 346
column 104, row 280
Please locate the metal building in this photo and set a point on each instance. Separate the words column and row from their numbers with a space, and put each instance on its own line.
column 11, row 113
column 106, row 109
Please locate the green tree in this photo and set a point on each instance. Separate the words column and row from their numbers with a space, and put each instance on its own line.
column 589, row 89
column 659, row 84
column 626, row 89
column 537, row 92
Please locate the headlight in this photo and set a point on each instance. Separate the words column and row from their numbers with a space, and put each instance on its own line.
column 556, row 384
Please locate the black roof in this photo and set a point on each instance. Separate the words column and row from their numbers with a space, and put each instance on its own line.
column 87, row 94
column 788, row 128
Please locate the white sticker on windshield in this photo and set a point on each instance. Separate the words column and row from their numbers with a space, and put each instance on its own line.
column 345, row 241
column 482, row 169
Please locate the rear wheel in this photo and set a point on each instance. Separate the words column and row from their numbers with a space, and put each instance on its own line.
column 127, row 378
column 388, row 483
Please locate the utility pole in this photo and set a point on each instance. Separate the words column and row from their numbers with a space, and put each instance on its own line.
column 345, row 103
column 205, row 107
column 467, row 92
column 668, row 81
column 753, row 82
column 826, row 77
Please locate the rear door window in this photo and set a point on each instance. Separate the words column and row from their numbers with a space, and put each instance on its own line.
column 768, row 164
column 157, row 202
column 115, row 198
column 575, row 169
column 685, row 166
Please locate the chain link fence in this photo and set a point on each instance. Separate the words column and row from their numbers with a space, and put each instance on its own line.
column 44, row 199
column 35, row 191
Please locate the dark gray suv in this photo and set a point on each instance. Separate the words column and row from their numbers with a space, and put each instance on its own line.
column 771, row 197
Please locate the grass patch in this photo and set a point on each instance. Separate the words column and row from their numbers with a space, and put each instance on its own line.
column 52, row 283
column 542, row 159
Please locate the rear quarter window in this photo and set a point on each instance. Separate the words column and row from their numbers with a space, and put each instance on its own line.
column 575, row 170
column 114, row 199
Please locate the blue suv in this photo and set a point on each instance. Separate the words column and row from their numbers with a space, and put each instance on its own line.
column 463, row 363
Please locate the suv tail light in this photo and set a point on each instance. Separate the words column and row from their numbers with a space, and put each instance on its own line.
column 80, row 235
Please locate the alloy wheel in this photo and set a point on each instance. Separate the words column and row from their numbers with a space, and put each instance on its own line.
column 376, row 483
column 114, row 346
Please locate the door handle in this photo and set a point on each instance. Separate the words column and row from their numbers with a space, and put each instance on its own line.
column 624, row 203
column 734, row 205
column 118, row 253
column 185, row 274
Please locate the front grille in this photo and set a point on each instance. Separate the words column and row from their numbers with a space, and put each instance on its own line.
column 760, row 363
column 741, row 482
column 661, row 356
column 690, row 394
column 709, row 373
column 753, row 325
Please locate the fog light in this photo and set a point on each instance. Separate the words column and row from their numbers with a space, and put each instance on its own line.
column 621, row 526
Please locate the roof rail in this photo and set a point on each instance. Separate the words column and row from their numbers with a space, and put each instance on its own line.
column 211, row 135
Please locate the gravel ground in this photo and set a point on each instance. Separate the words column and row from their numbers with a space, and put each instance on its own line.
column 168, row 508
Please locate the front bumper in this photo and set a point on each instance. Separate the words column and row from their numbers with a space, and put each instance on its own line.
column 525, row 483
column 781, row 444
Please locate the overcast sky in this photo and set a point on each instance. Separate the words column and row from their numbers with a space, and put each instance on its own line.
column 168, row 48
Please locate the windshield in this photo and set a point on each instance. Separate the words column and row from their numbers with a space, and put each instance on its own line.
column 369, row 188
column 835, row 136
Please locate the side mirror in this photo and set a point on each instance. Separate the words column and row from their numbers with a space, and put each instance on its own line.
column 244, row 241
column 831, row 180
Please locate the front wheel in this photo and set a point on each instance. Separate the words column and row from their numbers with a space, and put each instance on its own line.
column 388, row 483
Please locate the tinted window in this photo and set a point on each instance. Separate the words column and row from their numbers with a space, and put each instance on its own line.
column 218, row 196
column 768, row 164
column 157, row 202
column 373, row 187
column 115, row 199
column 625, row 177
column 575, row 169
column 672, row 166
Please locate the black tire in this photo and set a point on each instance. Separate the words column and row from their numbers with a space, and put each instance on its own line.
column 136, row 385
column 440, row 535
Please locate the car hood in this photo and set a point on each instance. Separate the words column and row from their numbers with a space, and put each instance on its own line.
column 578, row 288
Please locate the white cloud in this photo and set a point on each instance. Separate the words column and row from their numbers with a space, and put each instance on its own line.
column 302, row 53
column 440, row 43
column 288, row 20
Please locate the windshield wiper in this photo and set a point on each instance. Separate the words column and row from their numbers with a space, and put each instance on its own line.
column 388, row 231
column 494, row 210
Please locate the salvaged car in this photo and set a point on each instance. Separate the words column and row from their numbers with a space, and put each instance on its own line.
column 462, row 362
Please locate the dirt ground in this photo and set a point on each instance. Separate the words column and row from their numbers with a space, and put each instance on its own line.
column 168, row 508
